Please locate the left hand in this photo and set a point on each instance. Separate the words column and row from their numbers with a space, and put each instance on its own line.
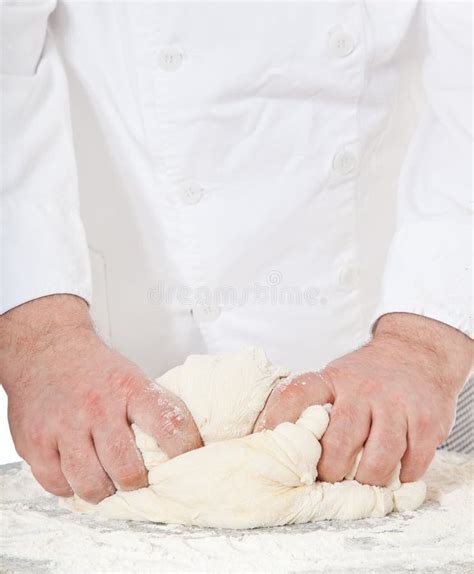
column 395, row 396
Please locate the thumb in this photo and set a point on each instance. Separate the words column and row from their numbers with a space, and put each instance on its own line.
column 291, row 397
column 161, row 414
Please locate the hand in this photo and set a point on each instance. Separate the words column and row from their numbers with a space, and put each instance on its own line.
column 395, row 396
column 71, row 400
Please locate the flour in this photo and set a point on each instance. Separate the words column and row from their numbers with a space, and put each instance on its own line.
column 36, row 536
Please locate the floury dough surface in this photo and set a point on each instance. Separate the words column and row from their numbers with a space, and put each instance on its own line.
column 238, row 479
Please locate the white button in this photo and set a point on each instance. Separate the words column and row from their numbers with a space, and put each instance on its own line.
column 341, row 43
column 191, row 193
column 206, row 312
column 344, row 162
column 170, row 59
column 349, row 276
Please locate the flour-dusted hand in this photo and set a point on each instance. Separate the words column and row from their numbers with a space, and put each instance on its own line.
column 395, row 396
column 72, row 399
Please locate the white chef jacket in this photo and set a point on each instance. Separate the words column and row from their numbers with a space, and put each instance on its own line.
column 216, row 175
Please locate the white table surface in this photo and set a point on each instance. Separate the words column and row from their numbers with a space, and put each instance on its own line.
column 37, row 536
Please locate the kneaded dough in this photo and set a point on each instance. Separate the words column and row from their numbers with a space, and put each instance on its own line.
column 238, row 479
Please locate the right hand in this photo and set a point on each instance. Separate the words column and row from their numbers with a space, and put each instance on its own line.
column 71, row 400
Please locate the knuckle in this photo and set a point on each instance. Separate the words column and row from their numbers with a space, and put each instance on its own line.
column 418, row 462
column 93, row 486
column 94, row 493
column 336, row 448
column 424, row 422
column 132, row 477
column 58, row 488
column 395, row 436
column 369, row 387
column 92, row 405
column 120, row 449
column 62, row 490
column 333, row 372
column 398, row 400
column 330, row 470
column 124, row 381
column 412, row 472
column 128, row 471
column 394, row 444
column 376, row 467
column 51, row 482
column 80, row 468
column 346, row 415
column 328, row 475
column 73, row 463
column 36, row 434
column 63, row 423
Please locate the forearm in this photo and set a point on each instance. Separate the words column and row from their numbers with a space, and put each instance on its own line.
column 454, row 348
column 29, row 328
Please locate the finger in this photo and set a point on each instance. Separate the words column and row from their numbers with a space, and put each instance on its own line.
column 383, row 449
column 347, row 432
column 290, row 398
column 164, row 416
column 421, row 447
column 46, row 468
column 83, row 471
column 120, row 457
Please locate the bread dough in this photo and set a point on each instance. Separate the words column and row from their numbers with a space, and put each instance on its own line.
column 238, row 479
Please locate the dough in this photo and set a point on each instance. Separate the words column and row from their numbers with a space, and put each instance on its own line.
column 242, row 480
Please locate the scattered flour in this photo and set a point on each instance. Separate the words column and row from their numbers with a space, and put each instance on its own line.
column 36, row 536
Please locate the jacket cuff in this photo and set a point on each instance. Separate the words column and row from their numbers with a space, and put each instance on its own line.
column 429, row 273
column 47, row 253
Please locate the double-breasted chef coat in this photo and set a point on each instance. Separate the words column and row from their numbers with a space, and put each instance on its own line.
column 214, row 175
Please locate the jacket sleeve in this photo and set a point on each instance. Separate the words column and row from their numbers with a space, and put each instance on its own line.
column 43, row 249
column 429, row 263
